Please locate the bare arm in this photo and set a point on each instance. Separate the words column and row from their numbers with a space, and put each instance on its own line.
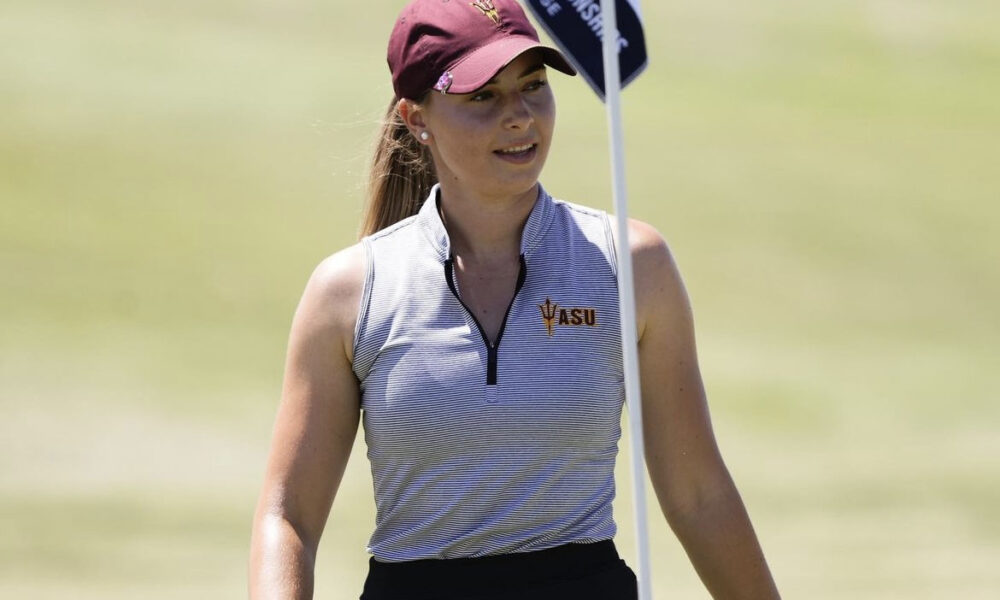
column 314, row 430
column 694, row 488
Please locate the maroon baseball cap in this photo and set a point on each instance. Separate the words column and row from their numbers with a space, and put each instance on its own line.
column 457, row 46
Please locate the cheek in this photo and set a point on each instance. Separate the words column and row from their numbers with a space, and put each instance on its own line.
column 467, row 133
column 462, row 145
column 545, row 114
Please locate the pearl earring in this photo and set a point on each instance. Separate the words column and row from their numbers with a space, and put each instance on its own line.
column 425, row 136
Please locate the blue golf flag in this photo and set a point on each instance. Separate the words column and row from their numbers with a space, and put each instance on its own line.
column 576, row 27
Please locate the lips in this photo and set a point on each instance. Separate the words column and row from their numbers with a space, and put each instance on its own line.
column 520, row 149
column 518, row 153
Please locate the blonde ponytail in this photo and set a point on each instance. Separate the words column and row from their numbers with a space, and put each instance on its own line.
column 402, row 174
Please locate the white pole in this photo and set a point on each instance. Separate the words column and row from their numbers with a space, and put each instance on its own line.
column 626, row 292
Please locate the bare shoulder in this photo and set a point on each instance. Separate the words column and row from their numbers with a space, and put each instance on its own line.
column 333, row 294
column 340, row 275
column 651, row 256
column 659, row 289
column 647, row 244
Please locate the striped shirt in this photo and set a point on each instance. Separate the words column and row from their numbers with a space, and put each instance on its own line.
column 480, row 449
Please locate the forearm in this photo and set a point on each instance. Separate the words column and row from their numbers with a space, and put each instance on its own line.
column 720, row 541
column 281, row 563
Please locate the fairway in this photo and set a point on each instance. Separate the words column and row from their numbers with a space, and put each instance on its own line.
column 826, row 175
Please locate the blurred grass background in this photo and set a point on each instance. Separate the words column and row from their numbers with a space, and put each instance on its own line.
column 827, row 175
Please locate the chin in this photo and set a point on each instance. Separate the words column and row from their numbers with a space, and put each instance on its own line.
column 523, row 176
column 516, row 185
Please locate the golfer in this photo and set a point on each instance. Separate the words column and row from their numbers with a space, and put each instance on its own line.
column 475, row 331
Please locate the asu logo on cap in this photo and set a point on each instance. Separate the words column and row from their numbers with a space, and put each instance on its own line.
column 553, row 315
column 486, row 7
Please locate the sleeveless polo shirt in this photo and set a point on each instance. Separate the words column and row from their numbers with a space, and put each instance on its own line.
column 478, row 450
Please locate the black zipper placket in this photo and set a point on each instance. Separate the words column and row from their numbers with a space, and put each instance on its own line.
column 491, row 347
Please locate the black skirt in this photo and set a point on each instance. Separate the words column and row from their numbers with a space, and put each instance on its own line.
column 577, row 571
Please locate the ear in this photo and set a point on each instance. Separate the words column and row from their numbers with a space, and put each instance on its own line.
column 413, row 116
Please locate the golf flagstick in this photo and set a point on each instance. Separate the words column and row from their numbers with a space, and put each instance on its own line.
column 608, row 63
column 626, row 293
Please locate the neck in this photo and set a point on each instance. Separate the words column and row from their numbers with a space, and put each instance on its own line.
column 485, row 229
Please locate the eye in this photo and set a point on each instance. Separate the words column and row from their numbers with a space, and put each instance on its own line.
column 536, row 85
column 481, row 96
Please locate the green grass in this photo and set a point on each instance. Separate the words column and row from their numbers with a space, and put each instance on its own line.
column 825, row 173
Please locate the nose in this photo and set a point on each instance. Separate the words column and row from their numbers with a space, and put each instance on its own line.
column 518, row 115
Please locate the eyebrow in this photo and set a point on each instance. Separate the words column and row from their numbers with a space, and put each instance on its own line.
column 528, row 71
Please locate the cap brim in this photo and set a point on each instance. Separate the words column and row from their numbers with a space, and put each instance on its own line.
column 476, row 69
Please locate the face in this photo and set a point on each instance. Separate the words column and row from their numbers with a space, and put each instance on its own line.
column 494, row 141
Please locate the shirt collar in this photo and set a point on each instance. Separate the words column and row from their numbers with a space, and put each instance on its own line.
column 531, row 237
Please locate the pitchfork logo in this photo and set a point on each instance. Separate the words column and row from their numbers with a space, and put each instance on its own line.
column 486, row 7
column 552, row 315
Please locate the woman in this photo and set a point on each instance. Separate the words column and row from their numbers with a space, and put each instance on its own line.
column 478, row 331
